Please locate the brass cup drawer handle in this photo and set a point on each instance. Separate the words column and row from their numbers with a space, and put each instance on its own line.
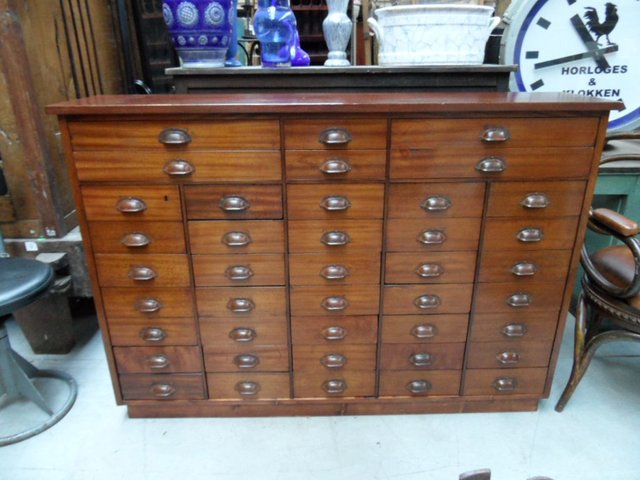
column 334, row 304
column 148, row 305
column 162, row 390
column 535, row 200
column 153, row 334
column 334, row 333
column 243, row 334
column 174, row 136
column 246, row 360
column 335, row 238
column 158, row 362
column 335, row 203
column 514, row 330
column 419, row 387
column 421, row 359
column 495, row 134
column 530, row 235
column 135, row 240
column 131, row 205
column 335, row 166
column 429, row 270
column 247, row 388
column 425, row 302
column 141, row 273
column 432, row 237
column 238, row 273
column 508, row 358
column 436, row 203
column 520, row 300
column 178, row 168
column 335, row 136
column 234, row 203
column 524, row 269
column 334, row 272
column 334, row 386
column 333, row 360
column 241, row 305
column 236, row 239
column 424, row 330
column 505, row 384
column 491, row 165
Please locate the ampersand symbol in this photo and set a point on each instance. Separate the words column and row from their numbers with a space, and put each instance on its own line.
column 592, row 82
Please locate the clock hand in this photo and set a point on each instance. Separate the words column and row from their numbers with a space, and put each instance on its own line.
column 588, row 41
column 577, row 56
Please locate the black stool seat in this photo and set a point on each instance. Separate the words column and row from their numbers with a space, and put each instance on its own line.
column 22, row 280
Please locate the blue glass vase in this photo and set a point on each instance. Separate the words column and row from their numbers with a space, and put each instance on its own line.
column 275, row 26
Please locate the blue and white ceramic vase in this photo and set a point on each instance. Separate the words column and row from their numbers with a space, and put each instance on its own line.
column 201, row 30
column 336, row 28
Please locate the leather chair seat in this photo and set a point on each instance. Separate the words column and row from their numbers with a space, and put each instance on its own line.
column 22, row 280
column 617, row 265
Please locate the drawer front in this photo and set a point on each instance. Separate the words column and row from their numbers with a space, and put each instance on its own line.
column 220, row 202
column 136, row 203
column 508, row 355
column 328, row 202
column 125, row 331
column 536, row 199
column 523, row 268
column 147, row 302
column 517, row 132
column 334, row 330
column 178, row 166
column 238, row 270
column 419, row 384
column 335, row 236
column 334, row 268
column 427, row 299
column 246, row 358
column 224, row 237
column 436, row 200
column 216, row 331
column 516, row 381
column 333, row 358
column 339, row 300
column 248, row 386
column 249, row 302
column 137, row 237
column 168, row 359
column 446, row 234
column 334, row 384
column 525, row 235
column 185, row 386
column 336, row 165
column 338, row 132
column 410, row 356
column 514, row 329
column 430, row 267
column 130, row 270
column 424, row 329
column 490, row 163
column 231, row 134
column 508, row 298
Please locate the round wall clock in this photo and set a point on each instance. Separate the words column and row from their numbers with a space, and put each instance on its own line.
column 586, row 47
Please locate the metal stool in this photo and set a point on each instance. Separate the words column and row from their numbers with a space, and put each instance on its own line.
column 22, row 281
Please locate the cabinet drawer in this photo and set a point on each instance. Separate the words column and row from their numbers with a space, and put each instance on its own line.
column 336, row 165
column 246, row 358
column 510, row 298
column 248, row 386
column 422, row 200
column 125, row 331
column 516, row 381
column 334, row 268
column 410, row 356
column 338, row 300
column 231, row 134
column 335, row 132
column 518, row 132
column 446, row 234
column 334, row 384
column 508, row 355
column 205, row 202
column 179, row 386
column 493, row 163
column 230, row 332
column 333, row 358
column 334, row 330
column 328, row 202
column 513, row 329
column 430, row 267
column 178, row 166
column 523, row 268
column 252, row 236
column 132, row 203
column 535, row 199
column 419, row 384
column 158, row 359
column 427, row 299
column 245, row 302
column 424, row 329
column 335, row 235
column 137, row 237
column 150, row 302
column 524, row 235
column 130, row 270
column 238, row 270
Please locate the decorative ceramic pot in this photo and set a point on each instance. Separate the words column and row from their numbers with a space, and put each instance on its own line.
column 201, row 30
column 432, row 34
column 336, row 28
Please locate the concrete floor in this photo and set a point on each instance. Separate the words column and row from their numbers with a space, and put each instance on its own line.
column 596, row 437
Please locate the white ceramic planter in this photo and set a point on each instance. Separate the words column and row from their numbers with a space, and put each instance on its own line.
column 432, row 34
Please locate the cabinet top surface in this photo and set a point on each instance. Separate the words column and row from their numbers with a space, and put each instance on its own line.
column 343, row 102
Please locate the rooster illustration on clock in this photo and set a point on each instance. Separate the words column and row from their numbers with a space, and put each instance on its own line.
column 585, row 47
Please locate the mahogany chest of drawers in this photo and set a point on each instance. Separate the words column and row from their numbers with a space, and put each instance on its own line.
column 309, row 254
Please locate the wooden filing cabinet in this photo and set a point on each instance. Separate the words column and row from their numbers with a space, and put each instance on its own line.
column 289, row 254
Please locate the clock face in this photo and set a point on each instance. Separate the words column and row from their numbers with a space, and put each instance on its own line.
column 586, row 47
